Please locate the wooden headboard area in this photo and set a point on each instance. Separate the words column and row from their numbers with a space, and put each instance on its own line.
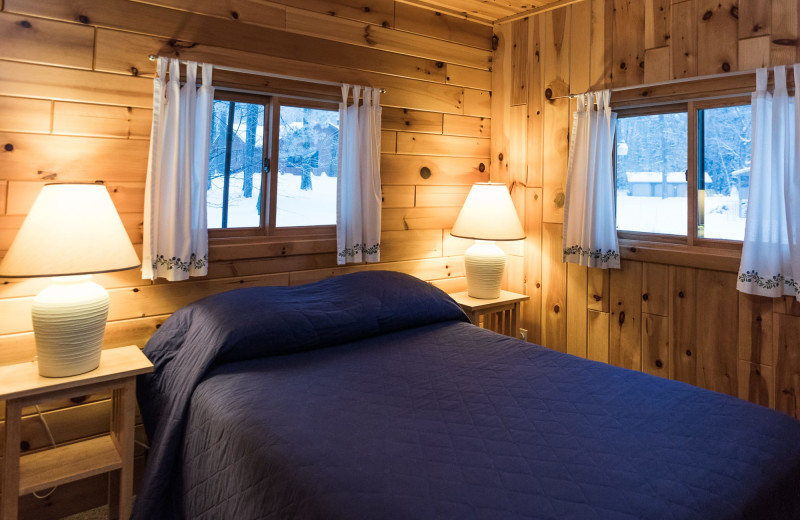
column 467, row 100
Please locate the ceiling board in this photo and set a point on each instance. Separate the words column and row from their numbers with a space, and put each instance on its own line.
column 483, row 11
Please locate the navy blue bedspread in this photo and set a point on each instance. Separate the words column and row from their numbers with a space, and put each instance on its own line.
column 408, row 412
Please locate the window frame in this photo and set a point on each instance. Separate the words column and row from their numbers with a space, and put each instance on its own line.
column 633, row 242
column 267, row 231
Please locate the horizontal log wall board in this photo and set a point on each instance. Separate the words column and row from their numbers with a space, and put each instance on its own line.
column 667, row 311
column 76, row 105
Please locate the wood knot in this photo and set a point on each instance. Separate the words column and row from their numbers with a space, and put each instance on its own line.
column 134, row 71
column 495, row 41
column 499, row 157
column 25, row 23
column 556, row 309
column 439, row 64
column 659, row 363
column 367, row 9
column 623, row 65
column 621, row 317
column 24, row 446
column 680, row 294
column 548, row 93
column 689, row 353
column 726, row 67
column 735, row 11
column 707, row 15
column 9, row 147
column 645, row 297
column 235, row 15
column 79, row 399
column 481, row 167
column 83, row 19
column 538, row 285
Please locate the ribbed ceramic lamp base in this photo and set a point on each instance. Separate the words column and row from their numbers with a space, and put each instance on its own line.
column 69, row 320
column 485, row 263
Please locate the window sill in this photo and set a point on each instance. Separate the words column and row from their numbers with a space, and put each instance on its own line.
column 239, row 248
column 717, row 259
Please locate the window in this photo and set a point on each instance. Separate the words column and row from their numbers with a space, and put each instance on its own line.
column 722, row 190
column 244, row 198
column 651, row 173
column 682, row 174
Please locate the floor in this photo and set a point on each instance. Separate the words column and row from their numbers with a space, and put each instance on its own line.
column 100, row 513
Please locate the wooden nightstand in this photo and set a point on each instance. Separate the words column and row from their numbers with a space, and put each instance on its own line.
column 21, row 385
column 499, row 314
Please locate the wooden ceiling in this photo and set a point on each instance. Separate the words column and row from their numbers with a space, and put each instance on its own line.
column 490, row 11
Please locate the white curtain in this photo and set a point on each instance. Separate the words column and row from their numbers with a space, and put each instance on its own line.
column 175, row 227
column 358, row 197
column 590, row 227
column 771, row 250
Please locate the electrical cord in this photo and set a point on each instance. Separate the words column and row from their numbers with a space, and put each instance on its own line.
column 52, row 442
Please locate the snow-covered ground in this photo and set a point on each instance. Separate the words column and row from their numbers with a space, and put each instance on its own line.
column 295, row 207
column 668, row 216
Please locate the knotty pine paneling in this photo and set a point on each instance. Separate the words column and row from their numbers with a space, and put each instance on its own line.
column 683, row 318
column 76, row 102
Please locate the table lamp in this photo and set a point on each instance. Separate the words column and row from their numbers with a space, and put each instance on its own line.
column 488, row 215
column 72, row 231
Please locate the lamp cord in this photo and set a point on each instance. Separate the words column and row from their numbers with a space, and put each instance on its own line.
column 52, row 442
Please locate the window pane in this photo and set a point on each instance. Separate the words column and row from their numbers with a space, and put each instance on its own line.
column 235, row 162
column 307, row 163
column 725, row 157
column 651, row 173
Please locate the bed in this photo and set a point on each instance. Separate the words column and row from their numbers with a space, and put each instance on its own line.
column 371, row 396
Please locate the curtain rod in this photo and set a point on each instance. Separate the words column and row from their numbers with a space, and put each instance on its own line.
column 673, row 82
column 154, row 57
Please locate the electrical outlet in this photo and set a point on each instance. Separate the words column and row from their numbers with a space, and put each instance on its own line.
column 523, row 334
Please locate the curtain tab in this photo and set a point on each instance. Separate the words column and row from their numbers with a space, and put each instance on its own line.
column 761, row 80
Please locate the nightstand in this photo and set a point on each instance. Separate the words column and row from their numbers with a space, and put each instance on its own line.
column 21, row 385
column 497, row 314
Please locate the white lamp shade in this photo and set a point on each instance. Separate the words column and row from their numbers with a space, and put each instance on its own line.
column 488, row 214
column 71, row 229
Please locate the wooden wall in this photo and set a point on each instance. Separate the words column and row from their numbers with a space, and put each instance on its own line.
column 667, row 313
column 75, row 105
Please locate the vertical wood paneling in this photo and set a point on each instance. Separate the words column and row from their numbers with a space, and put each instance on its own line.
column 624, row 343
column 535, row 103
column 597, row 292
column 682, row 323
column 597, row 343
column 519, row 62
column 785, row 22
column 754, row 18
column 655, row 345
column 717, row 330
column 656, row 23
column 757, row 383
column 600, row 64
column 518, row 144
column 655, row 289
column 501, row 101
column 556, row 113
column 787, row 371
column 554, row 289
column 532, row 309
column 628, row 43
column 580, row 47
column 684, row 40
column 754, row 53
column 576, row 310
column 717, row 41
column 756, row 343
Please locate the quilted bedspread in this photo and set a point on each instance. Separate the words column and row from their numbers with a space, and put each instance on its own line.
column 449, row 421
